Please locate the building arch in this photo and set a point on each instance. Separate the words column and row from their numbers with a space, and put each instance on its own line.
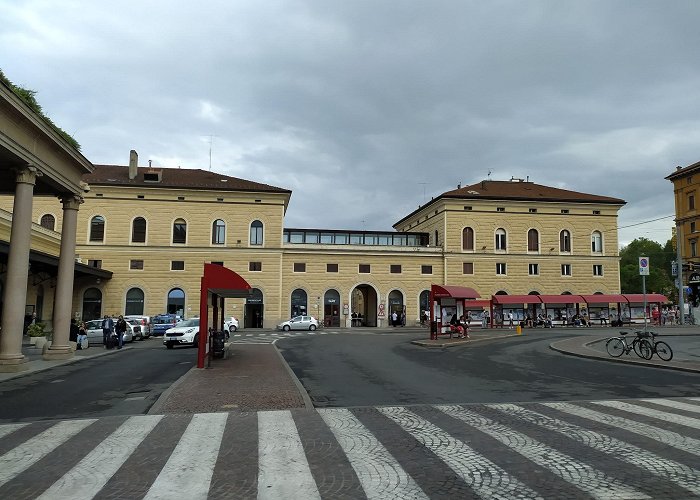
column 533, row 240
column 218, row 232
column 331, row 308
column 134, row 301
column 565, row 241
column 596, row 242
column 48, row 221
column 256, row 233
column 364, row 300
column 176, row 301
column 299, row 303
column 97, row 229
column 92, row 304
column 468, row 239
column 396, row 304
column 139, row 228
column 254, row 309
column 179, row 232
column 501, row 240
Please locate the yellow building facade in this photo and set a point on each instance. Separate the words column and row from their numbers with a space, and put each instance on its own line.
column 155, row 228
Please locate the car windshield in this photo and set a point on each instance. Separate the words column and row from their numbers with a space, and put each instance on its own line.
column 134, row 321
column 188, row 322
column 162, row 321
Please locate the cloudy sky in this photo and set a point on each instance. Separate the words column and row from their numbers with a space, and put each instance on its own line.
column 367, row 108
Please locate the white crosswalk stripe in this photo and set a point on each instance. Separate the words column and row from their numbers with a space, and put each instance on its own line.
column 378, row 447
column 671, row 403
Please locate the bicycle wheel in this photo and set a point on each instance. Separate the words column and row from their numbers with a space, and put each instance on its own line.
column 646, row 350
column 663, row 350
column 615, row 347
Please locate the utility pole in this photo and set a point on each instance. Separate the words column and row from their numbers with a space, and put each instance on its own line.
column 679, row 260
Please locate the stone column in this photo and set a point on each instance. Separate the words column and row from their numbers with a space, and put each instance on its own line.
column 12, row 329
column 63, row 302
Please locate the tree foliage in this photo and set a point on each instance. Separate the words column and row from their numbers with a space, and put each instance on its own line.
column 660, row 258
column 29, row 98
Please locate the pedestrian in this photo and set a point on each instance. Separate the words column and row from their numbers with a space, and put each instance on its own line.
column 120, row 330
column 73, row 332
column 107, row 328
column 82, row 335
column 394, row 318
column 403, row 318
column 510, row 320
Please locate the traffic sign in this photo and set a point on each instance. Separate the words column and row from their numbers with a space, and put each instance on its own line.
column 644, row 266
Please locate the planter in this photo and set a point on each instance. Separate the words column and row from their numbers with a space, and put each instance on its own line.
column 40, row 342
column 32, row 340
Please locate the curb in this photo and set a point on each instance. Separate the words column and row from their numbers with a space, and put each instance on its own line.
column 155, row 408
column 460, row 342
column 300, row 387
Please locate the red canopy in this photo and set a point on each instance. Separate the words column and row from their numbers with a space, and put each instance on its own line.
column 477, row 303
column 600, row 298
column 516, row 299
column 456, row 292
column 561, row 299
column 638, row 298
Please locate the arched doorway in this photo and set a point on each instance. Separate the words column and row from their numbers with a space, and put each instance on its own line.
column 92, row 304
column 423, row 305
column 254, row 309
column 395, row 306
column 176, row 302
column 299, row 303
column 134, row 302
column 331, row 308
column 364, row 303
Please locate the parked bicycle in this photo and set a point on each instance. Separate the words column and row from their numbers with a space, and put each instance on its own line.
column 660, row 348
column 617, row 346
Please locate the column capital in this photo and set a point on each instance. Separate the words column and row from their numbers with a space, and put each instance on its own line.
column 71, row 201
column 27, row 174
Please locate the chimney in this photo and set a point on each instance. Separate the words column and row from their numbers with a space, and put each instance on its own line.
column 133, row 164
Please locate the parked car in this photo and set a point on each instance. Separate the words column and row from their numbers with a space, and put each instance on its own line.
column 162, row 322
column 145, row 323
column 299, row 323
column 137, row 328
column 186, row 332
column 231, row 324
column 94, row 332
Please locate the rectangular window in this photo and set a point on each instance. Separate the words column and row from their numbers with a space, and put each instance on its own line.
column 331, row 268
column 217, row 263
column 135, row 264
column 467, row 208
column 364, row 268
column 395, row 269
column 691, row 202
column 140, row 196
column 177, row 265
column 532, row 210
column 565, row 210
column 500, row 268
column 300, row 267
column 467, row 268
column 255, row 266
column 533, row 269
column 596, row 212
column 500, row 209
column 95, row 263
column 566, row 269
column 693, row 248
column 597, row 269
column 692, row 227
column 181, row 198
column 426, row 269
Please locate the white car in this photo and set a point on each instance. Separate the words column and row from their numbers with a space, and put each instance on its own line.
column 299, row 323
column 231, row 324
column 186, row 332
column 145, row 322
column 94, row 332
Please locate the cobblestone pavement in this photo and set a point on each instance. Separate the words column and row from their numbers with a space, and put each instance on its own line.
column 599, row 449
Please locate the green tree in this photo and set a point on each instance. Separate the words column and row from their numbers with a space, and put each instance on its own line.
column 660, row 257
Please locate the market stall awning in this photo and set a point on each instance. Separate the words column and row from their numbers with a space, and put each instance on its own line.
column 561, row 299
column 516, row 299
column 455, row 292
column 477, row 303
column 638, row 298
column 600, row 298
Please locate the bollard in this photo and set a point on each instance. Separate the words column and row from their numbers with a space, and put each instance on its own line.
column 519, row 330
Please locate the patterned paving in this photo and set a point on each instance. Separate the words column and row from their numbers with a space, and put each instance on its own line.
column 646, row 448
column 267, row 337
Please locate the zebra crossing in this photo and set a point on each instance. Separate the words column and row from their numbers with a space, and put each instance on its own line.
column 271, row 337
column 633, row 449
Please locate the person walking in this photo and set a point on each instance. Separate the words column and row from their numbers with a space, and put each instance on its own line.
column 107, row 328
column 120, row 330
column 394, row 318
column 82, row 335
column 510, row 320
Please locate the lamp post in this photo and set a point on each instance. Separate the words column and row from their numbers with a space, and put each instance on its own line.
column 679, row 260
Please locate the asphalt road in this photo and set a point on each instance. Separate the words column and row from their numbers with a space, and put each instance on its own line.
column 386, row 369
column 124, row 383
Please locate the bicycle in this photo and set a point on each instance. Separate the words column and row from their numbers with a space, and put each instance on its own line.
column 617, row 346
column 660, row 348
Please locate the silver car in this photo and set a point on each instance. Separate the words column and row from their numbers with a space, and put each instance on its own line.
column 94, row 332
column 299, row 323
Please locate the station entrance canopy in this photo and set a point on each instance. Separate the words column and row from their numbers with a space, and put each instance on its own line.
column 622, row 298
column 218, row 283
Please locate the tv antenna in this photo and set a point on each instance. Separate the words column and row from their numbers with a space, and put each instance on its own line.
column 424, row 184
column 211, row 141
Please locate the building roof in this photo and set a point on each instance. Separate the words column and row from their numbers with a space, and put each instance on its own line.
column 681, row 172
column 517, row 190
column 184, row 178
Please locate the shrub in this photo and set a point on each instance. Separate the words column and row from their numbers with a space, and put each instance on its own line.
column 36, row 330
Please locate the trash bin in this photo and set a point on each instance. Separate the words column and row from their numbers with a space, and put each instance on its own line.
column 433, row 327
column 217, row 346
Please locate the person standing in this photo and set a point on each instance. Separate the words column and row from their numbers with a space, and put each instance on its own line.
column 120, row 330
column 510, row 320
column 82, row 335
column 394, row 318
column 107, row 328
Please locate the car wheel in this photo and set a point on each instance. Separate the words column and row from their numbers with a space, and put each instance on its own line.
column 169, row 345
column 232, row 328
column 312, row 327
column 195, row 340
column 285, row 328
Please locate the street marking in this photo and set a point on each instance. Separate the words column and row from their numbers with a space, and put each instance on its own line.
column 283, row 471
column 579, row 474
column 380, row 475
column 188, row 472
column 90, row 475
column 57, row 381
column 669, row 438
column 487, row 479
column 10, row 428
column 674, row 404
column 671, row 470
column 27, row 454
column 650, row 412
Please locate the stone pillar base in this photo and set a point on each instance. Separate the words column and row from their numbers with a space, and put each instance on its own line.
column 58, row 352
column 13, row 365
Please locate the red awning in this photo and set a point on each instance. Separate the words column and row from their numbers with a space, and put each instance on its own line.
column 638, row 298
column 477, row 303
column 456, row 292
column 600, row 298
column 561, row 299
column 516, row 299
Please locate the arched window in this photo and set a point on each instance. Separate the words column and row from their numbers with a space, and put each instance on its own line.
column 97, row 228
column 256, row 233
column 533, row 240
column 92, row 304
column 48, row 221
column 467, row 239
column 298, row 303
column 565, row 241
column 501, row 240
column 134, row 302
column 218, row 232
column 596, row 242
column 176, row 302
column 424, row 301
column 180, row 231
column 138, row 230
